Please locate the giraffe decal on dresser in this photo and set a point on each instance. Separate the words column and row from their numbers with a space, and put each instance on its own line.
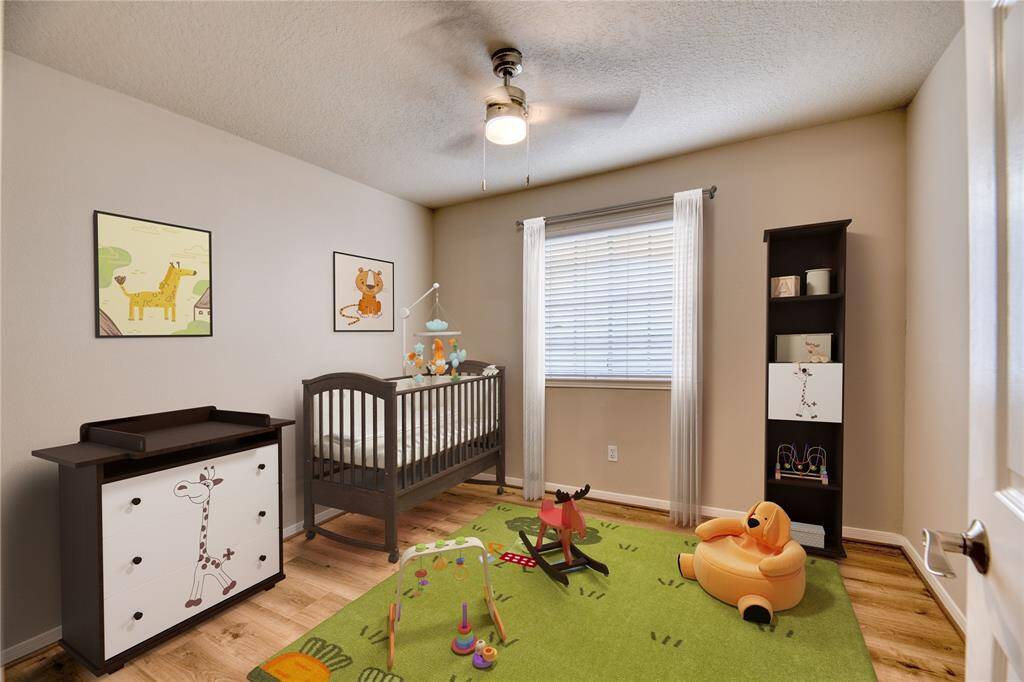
column 198, row 492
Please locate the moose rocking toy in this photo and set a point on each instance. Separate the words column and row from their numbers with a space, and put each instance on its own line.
column 563, row 516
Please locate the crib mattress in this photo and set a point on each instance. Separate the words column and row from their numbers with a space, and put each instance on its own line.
column 351, row 451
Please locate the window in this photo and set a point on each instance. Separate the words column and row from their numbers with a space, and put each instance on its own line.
column 608, row 302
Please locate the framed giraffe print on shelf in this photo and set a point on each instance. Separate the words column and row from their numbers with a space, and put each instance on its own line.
column 152, row 279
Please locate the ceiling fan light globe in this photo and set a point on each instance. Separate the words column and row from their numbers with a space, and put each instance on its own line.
column 506, row 123
column 506, row 130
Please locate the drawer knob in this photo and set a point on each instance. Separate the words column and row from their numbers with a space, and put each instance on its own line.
column 137, row 560
column 262, row 513
column 261, row 467
column 136, row 501
column 137, row 615
column 263, row 557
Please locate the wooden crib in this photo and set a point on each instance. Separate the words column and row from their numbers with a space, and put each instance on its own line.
column 380, row 446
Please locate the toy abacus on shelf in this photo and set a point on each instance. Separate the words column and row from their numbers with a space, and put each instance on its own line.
column 465, row 642
column 437, row 360
column 810, row 465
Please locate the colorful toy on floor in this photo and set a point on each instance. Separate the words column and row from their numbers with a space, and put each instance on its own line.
column 417, row 554
column 564, row 517
column 464, row 643
column 518, row 560
column 483, row 657
column 751, row 563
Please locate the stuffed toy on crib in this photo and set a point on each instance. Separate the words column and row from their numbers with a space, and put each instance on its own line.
column 751, row 563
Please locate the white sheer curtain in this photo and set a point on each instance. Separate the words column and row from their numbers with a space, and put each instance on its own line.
column 685, row 431
column 533, row 358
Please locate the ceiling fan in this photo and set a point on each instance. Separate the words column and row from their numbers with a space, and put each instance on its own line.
column 505, row 121
column 508, row 117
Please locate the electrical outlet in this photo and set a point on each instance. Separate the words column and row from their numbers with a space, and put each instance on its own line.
column 613, row 453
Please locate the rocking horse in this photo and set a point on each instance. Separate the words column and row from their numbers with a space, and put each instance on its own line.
column 566, row 519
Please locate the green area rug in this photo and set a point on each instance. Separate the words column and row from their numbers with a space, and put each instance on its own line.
column 642, row 622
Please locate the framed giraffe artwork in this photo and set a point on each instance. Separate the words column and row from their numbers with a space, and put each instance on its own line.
column 151, row 278
column 364, row 294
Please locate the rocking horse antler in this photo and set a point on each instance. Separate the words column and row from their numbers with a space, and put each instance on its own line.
column 561, row 496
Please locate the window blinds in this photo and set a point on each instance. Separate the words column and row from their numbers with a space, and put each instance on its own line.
column 608, row 302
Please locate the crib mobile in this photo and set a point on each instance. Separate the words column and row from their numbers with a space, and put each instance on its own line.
column 419, row 362
column 810, row 465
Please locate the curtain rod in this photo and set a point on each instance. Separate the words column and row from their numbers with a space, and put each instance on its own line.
column 646, row 203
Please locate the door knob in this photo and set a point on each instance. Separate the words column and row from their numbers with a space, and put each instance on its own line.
column 971, row 543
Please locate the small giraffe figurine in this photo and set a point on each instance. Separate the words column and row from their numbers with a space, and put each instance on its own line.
column 198, row 492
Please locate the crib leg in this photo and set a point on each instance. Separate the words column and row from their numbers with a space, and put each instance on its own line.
column 391, row 536
column 307, row 506
column 499, row 474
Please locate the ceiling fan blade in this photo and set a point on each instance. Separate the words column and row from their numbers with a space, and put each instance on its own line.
column 461, row 144
column 611, row 111
column 462, row 40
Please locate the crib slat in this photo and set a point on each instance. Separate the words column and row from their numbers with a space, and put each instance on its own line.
column 472, row 419
column 362, row 437
column 376, row 468
column 405, row 437
column 320, row 443
column 451, row 426
column 429, row 463
column 335, row 472
column 423, row 431
column 464, row 419
column 435, row 432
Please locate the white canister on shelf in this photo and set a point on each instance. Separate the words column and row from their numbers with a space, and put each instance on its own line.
column 818, row 281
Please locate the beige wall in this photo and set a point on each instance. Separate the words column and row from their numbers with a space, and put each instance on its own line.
column 853, row 169
column 935, row 446
column 71, row 147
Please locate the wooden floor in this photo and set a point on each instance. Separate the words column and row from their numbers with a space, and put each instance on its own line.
column 906, row 631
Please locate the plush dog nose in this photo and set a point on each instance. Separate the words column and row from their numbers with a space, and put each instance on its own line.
column 753, row 523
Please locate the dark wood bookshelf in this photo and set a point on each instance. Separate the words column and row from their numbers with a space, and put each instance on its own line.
column 793, row 251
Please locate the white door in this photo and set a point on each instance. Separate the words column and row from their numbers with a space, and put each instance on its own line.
column 994, row 35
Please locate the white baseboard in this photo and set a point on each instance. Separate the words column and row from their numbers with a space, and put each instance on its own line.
column 296, row 528
column 29, row 646
column 879, row 537
column 936, row 586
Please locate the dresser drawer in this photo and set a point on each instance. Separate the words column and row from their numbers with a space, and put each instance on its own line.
column 133, row 558
column 143, row 503
column 135, row 615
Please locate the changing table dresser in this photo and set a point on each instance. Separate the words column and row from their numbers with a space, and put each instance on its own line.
column 165, row 519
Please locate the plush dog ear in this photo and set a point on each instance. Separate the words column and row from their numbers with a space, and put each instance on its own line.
column 776, row 530
column 750, row 512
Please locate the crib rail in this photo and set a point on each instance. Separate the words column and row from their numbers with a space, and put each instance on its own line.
column 372, row 434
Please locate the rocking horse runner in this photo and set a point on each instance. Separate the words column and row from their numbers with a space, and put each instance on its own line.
column 567, row 520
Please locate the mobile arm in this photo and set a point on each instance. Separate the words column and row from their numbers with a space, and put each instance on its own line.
column 404, row 313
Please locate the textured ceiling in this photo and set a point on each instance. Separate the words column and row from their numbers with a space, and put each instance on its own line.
column 385, row 92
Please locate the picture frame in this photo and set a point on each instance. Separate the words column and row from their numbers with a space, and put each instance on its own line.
column 151, row 279
column 363, row 294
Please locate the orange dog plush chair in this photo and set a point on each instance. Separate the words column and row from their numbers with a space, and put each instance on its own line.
column 750, row 563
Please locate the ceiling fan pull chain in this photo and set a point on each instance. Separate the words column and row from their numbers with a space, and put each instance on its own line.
column 527, row 150
column 483, row 179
